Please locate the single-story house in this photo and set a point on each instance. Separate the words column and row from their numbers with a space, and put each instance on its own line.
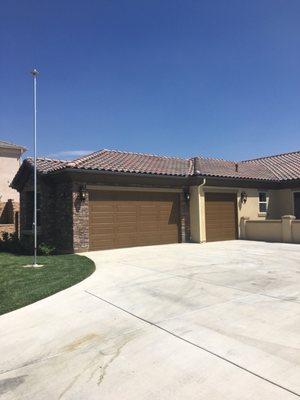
column 110, row 199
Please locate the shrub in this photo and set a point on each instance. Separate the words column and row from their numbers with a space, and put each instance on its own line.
column 46, row 249
column 10, row 243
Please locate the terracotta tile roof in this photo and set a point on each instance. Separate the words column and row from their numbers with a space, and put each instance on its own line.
column 273, row 168
column 45, row 165
column 120, row 161
column 284, row 166
column 230, row 169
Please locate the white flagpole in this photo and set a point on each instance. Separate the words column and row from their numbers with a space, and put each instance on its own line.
column 34, row 74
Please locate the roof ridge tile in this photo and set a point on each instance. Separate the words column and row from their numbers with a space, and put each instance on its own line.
column 47, row 159
column 83, row 158
column 147, row 154
column 216, row 159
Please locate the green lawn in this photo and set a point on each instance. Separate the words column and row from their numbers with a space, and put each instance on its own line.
column 22, row 286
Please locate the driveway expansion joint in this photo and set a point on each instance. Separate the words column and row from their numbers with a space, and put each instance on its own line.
column 196, row 345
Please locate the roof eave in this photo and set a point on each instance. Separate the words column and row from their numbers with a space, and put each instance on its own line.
column 109, row 172
column 19, row 148
column 237, row 178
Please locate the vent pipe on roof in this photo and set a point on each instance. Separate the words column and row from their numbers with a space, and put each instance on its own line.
column 236, row 167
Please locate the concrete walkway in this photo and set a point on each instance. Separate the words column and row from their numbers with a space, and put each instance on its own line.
column 187, row 321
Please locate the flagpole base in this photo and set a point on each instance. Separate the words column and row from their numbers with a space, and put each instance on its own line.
column 33, row 266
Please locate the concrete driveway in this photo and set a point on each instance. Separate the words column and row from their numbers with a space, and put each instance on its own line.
column 187, row 321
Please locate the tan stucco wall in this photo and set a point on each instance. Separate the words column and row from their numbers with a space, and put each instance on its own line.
column 280, row 202
column 286, row 229
column 9, row 165
column 270, row 230
column 195, row 213
column 296, row 231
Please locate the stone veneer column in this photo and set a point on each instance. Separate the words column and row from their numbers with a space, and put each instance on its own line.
column 80, row 221
column 184, row 219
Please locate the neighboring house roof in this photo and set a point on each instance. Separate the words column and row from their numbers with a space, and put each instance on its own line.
column 273, row 168
column 8, row 145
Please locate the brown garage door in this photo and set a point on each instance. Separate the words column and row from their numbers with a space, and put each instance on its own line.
column 220, row 216
column 124, row 219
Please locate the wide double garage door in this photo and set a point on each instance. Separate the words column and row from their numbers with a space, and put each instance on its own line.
column 125, row 219
column 220, row 216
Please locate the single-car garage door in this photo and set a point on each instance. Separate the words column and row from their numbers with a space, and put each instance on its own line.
column 220, row 216
column 124, row 219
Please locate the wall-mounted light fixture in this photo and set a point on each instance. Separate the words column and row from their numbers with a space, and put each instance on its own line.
column 83, row 192
column 186, row 196
column 244, row 197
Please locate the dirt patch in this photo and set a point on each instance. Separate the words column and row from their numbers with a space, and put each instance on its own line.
column 80, row 342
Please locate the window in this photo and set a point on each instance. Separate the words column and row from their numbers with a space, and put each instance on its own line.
column 29, row 202
column 262, row 202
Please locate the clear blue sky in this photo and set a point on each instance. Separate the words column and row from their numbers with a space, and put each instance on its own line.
column 177, row 77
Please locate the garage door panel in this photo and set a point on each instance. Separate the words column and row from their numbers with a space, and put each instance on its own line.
column 102, row 218
column 106, row 229
column 124, row 219
column 105, row 240
column 125, row 228
column 165, row 215
column 105, row 209
column 148, row 214
column 144, row 237
column 121, row 218
column 125, row 240
column 123, row 208
column 102, row 236
column 220, row 216
column 148, row 227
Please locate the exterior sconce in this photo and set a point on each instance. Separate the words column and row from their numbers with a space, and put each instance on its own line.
column 244, row 197
column 186, row 196
column 83, row 192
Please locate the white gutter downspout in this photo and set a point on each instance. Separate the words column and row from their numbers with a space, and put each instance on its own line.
column 203, row 183
column 201, row 216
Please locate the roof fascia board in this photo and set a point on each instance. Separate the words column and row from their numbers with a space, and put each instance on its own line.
column 230, row 181
column 101, row 172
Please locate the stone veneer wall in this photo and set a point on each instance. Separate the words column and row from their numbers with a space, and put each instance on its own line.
column 184, row 216
column 80, row 220
column 23, row 208
column 63, row 217
column 56, row 214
